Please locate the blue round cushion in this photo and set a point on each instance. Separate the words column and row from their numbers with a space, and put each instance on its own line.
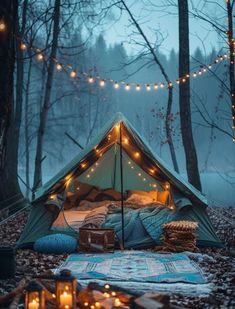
column 56, row 243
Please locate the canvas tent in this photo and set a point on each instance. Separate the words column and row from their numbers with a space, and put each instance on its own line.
column 119, row 158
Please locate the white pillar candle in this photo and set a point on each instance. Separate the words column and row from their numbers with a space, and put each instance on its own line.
column 33, row 304
column 66, row 299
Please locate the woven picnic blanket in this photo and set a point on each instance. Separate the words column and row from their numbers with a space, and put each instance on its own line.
column 135, row 266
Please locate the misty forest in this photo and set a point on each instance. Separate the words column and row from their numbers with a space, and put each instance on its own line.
column 117, row 118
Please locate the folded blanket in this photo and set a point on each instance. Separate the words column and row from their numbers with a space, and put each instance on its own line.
column 97, row 216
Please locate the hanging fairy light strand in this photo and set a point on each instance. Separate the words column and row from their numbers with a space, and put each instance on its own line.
column 138, row 87
column 102, row 82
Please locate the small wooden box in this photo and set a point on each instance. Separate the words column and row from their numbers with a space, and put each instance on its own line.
column 96, row 240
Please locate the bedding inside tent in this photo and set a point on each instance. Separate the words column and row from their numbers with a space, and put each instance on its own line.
column 117, row 169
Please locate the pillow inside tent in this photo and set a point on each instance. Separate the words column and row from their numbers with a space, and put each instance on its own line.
column 56, row 243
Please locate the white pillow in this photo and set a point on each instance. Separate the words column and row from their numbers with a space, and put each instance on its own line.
column 139, row 199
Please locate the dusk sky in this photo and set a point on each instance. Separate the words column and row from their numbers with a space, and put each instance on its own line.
column 162, row 24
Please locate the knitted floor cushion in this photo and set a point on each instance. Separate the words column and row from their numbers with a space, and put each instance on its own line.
column 56, row 243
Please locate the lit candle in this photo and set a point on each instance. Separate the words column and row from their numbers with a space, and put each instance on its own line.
column 33, row 304
column 117, row 302
column 66, row 299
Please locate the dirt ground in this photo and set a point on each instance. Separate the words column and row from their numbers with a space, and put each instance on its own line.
column 220, row 267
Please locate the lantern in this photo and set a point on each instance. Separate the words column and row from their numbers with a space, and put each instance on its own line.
column 65, row 290
column 35, row 296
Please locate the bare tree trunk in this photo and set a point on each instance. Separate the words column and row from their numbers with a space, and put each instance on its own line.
column 231, row 43
column 26, row 126
column 170, row 88
column 45, row 107
column 10, row 193
column 184, row 97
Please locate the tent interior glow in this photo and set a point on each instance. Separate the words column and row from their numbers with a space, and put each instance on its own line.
column 100, row 165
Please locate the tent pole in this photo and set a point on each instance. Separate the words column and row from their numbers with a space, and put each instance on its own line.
column 122, row 196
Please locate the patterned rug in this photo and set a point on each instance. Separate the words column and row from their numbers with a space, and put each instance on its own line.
column 135, row 266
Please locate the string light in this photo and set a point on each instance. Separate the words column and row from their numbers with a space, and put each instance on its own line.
column 137, row 154
column 59, row 67
column 90, row 79
column 23, row 46
column 139, row 174
column 102, row 83
column 3, row 26
column 127, row 86
column 53, row 197
column 83, row 165
column 73, row 74
column 116, row 85
column 155, row 86
column 39, row 56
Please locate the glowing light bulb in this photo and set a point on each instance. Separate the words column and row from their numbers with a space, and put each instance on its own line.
column 53, row 197
column 139, row 174
column 39, row 56
column 102, row 83
column 148, row 87
column 209, row 66
column 88, row 176
column 204, row 69
column 91, row 79
column 199, row 72
column 152, row 171
column 125, row 141
column 137, row 154
column 138, row 88
column 83, row 165
column 187, row 75
column 3, row 26
column 86, row 304
column 127, row 87
column 23, row 46
column 117, row 127
column 97, row 304
column 116, row 85
column 178, row 81
column 58, row 66
column 155, row 86
column 216, row 60
column 129, row 162
column 162, row 85
column 194, row 74
column 154, row 185
column 73, row 74
column 170, row 84
column 183, row 80
column 113, row 293
column 92, row 169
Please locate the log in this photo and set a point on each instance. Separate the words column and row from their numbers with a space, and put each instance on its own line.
column 6, row 299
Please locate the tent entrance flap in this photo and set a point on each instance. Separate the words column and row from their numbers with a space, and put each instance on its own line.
column 105, row 173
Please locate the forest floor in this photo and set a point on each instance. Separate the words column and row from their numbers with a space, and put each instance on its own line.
column 220, row 266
